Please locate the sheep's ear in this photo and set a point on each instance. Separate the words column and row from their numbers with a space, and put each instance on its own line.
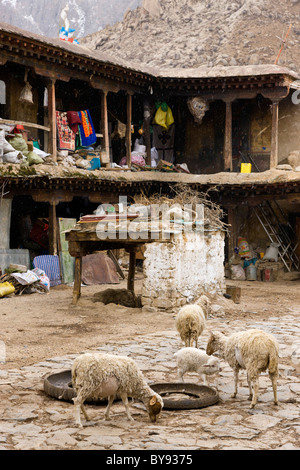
column 153, row 400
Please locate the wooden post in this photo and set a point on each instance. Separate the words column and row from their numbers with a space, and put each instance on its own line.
column 228, row 137
column 131, row 271
column 146, row 127
column 104, row 121
column 232, row 231
column 77, row 279
column 274, row 137
column 52, row 146
column 128, row 129
column 52, row 229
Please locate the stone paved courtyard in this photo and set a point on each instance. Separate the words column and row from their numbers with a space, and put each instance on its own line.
column 30, row 419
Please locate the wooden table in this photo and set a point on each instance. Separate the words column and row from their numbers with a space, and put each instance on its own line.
column 83, row 240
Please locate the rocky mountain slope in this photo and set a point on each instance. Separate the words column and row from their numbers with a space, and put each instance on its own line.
column 194, row 33
column 43, row 17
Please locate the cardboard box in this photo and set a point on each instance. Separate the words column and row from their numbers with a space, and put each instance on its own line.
column 104, row 157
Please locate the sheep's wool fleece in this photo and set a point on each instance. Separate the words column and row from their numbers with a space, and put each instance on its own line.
column 256, row 349
column 93, row 369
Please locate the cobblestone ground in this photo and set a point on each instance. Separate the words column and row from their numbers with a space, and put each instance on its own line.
column 30, row 419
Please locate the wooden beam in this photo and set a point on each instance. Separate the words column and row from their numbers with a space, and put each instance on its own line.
column 52, row 229
column 131, row 271
column 274, row 136
column 77, row 280
column 228, row 137
column 52, row 120
column 26, row 124
column 104, row 121
column 146, row 127
column 128, row 130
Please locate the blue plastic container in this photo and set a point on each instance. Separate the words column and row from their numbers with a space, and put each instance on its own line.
column 95, row 163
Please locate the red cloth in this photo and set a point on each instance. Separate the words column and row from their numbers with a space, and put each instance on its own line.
column 73, row 120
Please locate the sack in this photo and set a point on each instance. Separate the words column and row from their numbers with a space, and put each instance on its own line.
column 19, row 143
column 272, row 252
column 237, row 272
column 6, row 288
column 13, row 157
column 33, row 158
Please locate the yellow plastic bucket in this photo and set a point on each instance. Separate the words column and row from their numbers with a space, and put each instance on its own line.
column 246, row 167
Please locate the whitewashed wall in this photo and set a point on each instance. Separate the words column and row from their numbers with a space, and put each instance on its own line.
column 180, row 271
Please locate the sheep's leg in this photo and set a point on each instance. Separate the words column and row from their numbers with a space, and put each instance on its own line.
column 78, row 404
column 250, row 387
column 273, row 378
column 125, row 403
column 110, row 402
column 236, row 380
column 255, row 391
column 203, row 379
column 84, row 412
column 180, row 375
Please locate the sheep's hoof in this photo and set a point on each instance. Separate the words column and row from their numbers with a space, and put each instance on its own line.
column 252, row 405
column 250, row 397
column 233, row 395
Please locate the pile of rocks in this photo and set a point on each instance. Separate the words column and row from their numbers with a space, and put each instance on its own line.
column 194, row 33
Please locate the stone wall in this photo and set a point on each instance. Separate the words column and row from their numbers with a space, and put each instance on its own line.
column 8, row 256
column 181, row 270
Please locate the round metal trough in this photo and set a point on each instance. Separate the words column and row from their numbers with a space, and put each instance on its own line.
column 185, row 396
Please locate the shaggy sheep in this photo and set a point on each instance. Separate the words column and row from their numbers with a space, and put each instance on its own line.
column 253, row 350
column 196, row 360
column 106, row 375
column 190, row 323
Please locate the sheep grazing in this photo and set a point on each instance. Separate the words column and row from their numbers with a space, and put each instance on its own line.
column 106, row 375
column 253, row 350
column 190, row 323
column 196, row 360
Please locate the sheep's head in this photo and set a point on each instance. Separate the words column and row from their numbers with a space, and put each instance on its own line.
column 205, row 303
column 212, row 366
column 154, row 407
column 212, row 344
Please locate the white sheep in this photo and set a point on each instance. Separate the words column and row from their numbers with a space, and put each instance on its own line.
column 190, row 323
column 253, row 350
column 196, row 360
column 104, row 375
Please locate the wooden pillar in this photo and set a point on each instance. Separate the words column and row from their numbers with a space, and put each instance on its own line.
column 146, row 127
column 228, row 137
column 104, row 121
column 52, row 229
column 274, row 137
column 131, row 271
column 232, row 237
column 77, row 279
column 128, row 130
column 52, row 146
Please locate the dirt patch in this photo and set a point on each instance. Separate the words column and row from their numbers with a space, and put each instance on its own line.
column 36, row 327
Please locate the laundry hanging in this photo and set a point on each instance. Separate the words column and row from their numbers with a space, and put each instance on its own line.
column 66, row 137
column 87, row 133
column 73, row 120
